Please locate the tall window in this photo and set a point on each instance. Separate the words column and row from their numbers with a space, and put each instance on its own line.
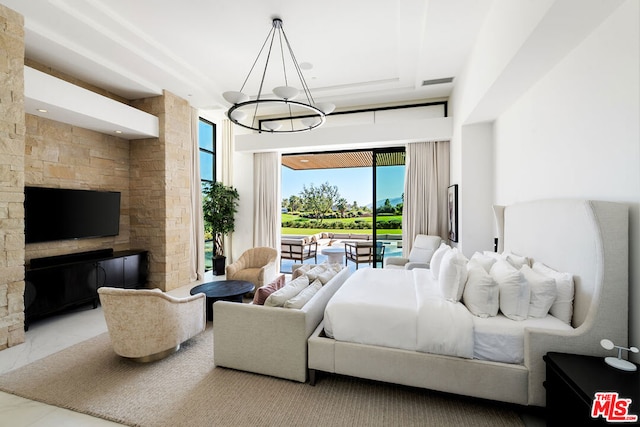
column 207, row 145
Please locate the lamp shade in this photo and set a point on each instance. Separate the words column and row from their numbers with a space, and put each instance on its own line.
column 325, row 107
column 272, row 126
column 310, row 121
column 286, row 92
column 235, row 97
column 238, row 115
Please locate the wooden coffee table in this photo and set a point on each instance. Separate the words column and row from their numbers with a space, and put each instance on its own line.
column 227, row 290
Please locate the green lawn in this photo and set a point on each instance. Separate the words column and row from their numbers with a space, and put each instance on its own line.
column 331, row 221
column 307, row 231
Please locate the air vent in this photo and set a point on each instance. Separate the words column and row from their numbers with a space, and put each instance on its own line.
column 437, row 81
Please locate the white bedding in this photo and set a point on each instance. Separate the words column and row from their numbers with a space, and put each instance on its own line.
column 400, row 309
column 405, row 309
column 501, row 339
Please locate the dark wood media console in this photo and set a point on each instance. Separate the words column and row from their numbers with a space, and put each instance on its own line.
column 53, row 284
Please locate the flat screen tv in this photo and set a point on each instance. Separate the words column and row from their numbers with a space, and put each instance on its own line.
column 61, row 214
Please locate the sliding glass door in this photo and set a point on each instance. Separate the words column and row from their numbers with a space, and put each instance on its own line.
column 356, row 195
column 388, row 195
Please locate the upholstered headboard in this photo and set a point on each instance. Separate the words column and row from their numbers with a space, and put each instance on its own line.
column 586, row 238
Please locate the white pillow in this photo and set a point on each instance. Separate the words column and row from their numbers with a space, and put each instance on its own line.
column 288, row 291
column 323, row 272
column 514, row 290
column 481, row 294
column 562, row 307
column 452, row 275
column 482, row 260
column 304, row 296
column 516, row 260
column 543, row 291
column 436, row 259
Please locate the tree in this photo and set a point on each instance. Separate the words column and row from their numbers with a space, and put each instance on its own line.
column 341, row 206
column 295, row 204
column 219, row 206
column 319, row 200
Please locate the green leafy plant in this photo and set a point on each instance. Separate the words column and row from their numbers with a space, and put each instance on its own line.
column 219, row 205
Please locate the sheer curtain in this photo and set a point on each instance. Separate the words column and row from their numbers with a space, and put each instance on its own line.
column 425, row 191
column 266, row 206
column 196, row 238
column 226, row 175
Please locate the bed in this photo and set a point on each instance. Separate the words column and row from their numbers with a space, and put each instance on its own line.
column 589, row 239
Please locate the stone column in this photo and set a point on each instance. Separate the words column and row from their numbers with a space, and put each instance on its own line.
column 12, row 146
column 159, row 191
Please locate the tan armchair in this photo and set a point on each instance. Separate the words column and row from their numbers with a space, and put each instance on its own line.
column 256, row 265
column 420, row 256
column 148, row 324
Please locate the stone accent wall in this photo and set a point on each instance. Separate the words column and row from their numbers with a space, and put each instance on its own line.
column 64, row 156
column 12, row 131
column 160, row 196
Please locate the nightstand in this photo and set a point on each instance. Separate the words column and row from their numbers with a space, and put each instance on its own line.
column 572, row 382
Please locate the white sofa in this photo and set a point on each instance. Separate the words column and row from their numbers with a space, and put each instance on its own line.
column 269, row 340
column 586, row 238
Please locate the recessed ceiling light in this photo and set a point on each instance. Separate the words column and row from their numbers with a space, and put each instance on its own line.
column 304, row 161
column 118, row 131
column 42, row 110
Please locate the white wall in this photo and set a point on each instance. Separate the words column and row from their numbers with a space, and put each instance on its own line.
column 477, row 174
column 577, row 134
column 573, row 131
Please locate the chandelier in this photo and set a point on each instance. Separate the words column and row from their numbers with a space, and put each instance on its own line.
column 290, row 109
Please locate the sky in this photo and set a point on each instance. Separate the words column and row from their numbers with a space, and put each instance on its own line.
column 354, row 184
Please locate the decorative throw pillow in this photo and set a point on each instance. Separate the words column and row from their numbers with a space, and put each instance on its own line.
column 514, row 290
column 288, row 291
column 452, row 275
column 562, row 307
column 481, row 294
column 481, row 260
column 323, row 272
column 301, row 270
column 304, row 296
column 436, row 259
column 516, row 260
column 263, row 292
column 543, row 292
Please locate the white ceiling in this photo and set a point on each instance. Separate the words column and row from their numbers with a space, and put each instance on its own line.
column 363, row 51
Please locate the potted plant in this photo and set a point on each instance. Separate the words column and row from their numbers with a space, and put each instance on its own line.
column 219, row 205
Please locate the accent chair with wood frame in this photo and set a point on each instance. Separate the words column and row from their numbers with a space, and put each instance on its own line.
column 362, row 253
column 298, row 250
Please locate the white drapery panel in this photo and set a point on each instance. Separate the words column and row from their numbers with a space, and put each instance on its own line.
column 196, row 237
column 226, row 175
column 425, row 191
column 266, row 205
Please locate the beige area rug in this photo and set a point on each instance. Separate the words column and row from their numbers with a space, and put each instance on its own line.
column 185, row 389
